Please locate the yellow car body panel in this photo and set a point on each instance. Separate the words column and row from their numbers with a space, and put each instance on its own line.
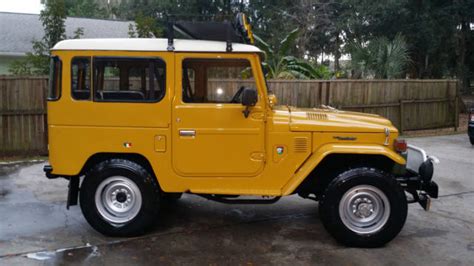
column 269, row 153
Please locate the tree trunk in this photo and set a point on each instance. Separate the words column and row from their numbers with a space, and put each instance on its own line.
column 337, row 54
column 462, row 68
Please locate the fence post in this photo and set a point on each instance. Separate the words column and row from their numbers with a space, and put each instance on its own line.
column 456, row 113
column 328, row 93
column 402, row 117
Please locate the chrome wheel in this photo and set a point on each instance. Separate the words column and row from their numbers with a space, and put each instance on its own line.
column 364, row 209
column 118, row 200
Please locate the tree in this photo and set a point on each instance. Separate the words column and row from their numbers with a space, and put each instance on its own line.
column 438, row 34
column 279, row 65
column 86, row 9
column 380, row 58
column 145, row 27
column 321, row 28
column 464, row 10
column 436, row 39
column 37, row 63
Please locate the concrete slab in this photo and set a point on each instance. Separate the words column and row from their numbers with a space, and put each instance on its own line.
column 36, row 228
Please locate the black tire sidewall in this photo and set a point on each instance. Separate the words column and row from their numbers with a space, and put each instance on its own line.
column 329, row 207
column 137, row 174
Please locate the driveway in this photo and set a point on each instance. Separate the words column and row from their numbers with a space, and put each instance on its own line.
column 36, row 228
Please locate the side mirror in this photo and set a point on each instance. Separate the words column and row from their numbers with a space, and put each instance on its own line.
column 249, row 99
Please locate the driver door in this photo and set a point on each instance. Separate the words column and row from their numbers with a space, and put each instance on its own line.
column 211, row 136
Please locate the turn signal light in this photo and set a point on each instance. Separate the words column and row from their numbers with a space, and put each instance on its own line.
column 400, row 145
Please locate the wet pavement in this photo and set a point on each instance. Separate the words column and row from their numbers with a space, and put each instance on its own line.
column 36, row 228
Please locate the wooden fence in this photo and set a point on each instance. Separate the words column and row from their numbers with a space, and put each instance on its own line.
column 409, row 104
column 23, row 116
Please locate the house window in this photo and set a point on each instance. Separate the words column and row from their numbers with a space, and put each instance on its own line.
column 215, row 80
column 81, row 78
column 119, row 79
column 54, row 88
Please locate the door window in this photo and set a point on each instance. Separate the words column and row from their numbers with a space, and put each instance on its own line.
column 215, row 80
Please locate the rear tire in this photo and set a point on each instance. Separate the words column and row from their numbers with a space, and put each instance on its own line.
column 119, row 198
column 363, row 207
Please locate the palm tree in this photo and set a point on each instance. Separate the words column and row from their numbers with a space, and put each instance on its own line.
column 380, row 58
column 279, row 65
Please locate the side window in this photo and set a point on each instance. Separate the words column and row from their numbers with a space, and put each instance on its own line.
column 215, row 80
column 81, row 78
column 54, row 88
column 129, row 79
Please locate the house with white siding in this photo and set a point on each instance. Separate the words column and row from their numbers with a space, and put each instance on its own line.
column 18, row 31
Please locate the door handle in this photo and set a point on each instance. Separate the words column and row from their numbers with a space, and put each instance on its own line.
column 187, row 133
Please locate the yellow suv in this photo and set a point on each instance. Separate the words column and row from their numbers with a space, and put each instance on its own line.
column 135, row 122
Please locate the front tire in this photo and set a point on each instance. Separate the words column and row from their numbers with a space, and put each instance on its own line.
column 363, row 207
column 119, row 198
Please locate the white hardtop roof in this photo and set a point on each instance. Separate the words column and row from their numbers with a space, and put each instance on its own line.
column 151, row 45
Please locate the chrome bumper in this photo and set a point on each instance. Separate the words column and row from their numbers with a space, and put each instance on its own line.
column 418, row 178
column 417, row 157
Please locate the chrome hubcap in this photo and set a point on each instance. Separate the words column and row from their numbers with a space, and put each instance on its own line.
column 118, row 200
column 364, row 209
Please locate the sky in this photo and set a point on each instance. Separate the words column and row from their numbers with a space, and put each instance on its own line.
column 21, row 6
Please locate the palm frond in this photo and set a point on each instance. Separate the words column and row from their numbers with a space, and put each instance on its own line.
column 288, row 42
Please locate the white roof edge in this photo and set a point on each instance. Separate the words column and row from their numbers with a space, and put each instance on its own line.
column 141, row 44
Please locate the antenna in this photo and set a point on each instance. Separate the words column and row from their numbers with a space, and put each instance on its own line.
column 171, row 22
column 228, row 47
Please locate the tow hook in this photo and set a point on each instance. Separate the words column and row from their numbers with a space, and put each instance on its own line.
column 425, row 201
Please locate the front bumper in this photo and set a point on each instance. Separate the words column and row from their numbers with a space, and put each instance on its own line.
column 417, row 179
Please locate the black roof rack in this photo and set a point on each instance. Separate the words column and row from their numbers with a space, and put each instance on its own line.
column 237, row 32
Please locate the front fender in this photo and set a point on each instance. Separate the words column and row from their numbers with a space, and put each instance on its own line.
column 337, row 148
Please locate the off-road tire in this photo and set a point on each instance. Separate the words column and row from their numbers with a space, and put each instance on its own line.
column 148, row 187
column 330, row 213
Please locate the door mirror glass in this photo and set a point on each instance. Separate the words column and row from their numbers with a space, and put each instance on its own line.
column 249, row 97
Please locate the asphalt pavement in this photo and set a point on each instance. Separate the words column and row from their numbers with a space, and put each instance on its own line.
column 36, row 228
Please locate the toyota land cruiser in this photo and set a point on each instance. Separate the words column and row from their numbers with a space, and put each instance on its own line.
column 134, row 122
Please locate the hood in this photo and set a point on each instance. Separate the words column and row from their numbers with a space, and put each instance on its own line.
column 332, row 120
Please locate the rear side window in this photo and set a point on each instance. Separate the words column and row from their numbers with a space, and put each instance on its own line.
column 129, row 79
column 54, row 88
column 81, row 78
